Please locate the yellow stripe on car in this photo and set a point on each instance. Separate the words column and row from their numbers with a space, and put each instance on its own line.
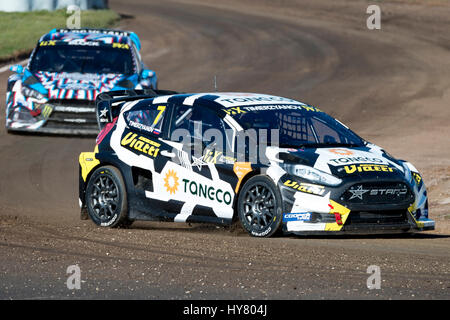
column 411, row 210
column 343, row 211
column 88, row 162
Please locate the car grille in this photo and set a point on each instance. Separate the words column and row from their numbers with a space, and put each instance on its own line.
column 390, row 217
column 378, row 193
column 68, row 114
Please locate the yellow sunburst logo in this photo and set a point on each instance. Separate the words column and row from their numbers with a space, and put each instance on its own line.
column 171, row 181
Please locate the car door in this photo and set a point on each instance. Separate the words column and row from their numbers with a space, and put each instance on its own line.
column 140, row 144
column 198, row 175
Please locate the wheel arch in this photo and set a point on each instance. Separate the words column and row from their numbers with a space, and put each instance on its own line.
column 240, row 185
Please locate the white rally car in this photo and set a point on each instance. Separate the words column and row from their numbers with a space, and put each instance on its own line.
column 274, row 163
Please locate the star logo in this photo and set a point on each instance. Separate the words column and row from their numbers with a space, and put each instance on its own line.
column 198, row 162
column 103, row 112
column 358, row 193
column 171, row 181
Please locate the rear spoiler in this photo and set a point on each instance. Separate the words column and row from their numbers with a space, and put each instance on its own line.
column 109, row 104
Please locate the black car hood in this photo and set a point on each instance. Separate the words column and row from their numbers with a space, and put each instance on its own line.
column 368, row 161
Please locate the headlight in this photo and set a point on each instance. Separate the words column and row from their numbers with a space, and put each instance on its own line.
column 21, row 114
column 311, row 174
column 28, row 92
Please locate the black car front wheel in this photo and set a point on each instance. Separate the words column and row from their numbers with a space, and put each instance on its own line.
column 106, row 198
column 260, row 206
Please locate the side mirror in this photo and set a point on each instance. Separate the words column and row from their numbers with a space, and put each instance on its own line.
column 17, row 68
column 147, row 74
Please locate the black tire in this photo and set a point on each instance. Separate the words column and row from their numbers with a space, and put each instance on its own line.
column 106, row 198
column 260, row 207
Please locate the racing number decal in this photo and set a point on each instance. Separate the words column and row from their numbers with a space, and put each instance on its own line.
column 161, row 111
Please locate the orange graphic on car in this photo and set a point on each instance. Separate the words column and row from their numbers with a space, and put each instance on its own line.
column 171, row 181
column 341, row 152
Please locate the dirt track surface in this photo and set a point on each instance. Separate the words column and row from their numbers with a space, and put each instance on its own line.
column 392, row 86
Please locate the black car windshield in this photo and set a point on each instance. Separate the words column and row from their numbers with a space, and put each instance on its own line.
column 82, row 59
column 299, row 127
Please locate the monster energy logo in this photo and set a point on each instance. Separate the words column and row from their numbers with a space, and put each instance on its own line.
column 46, row 110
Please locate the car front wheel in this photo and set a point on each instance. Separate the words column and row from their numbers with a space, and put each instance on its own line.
column 259, row 207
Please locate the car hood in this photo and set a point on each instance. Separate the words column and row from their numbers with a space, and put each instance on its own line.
column 80, row 86
column 342, row 162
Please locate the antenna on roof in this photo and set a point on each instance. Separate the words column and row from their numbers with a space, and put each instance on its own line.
column 215, row 83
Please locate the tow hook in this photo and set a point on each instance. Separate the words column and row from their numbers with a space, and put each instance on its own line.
column 337, row 215
column 338, row 218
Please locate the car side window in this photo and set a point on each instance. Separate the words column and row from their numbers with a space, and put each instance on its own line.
column 200, row 124
column 324, row 133
column 148, row 119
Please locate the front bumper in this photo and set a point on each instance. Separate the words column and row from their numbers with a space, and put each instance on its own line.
column 306, row 213
column 328, row 225
column 56, row 131
column 59, row 117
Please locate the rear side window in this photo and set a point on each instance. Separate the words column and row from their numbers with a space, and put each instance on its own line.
column 148, row 119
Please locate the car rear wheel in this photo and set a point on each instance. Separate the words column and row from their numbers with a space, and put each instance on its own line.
column 106, row 198
column 259, row 207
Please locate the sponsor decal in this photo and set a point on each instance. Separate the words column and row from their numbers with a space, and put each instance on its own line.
column 305, row 187
column 76, row 120
column 388, row 191
column 81, row 42
column 104, row 115
column 142, row 145
column 355, row 160
column 171, row 181
column 71, row 76
column 302, row 216
column 341, row 152
column 96, row 31
column 254, row 99
column 234, row 110
column 208, row 192
column 120, row 45
column 417, row 178
column 111, row 221
column 198, row 162
column 47, row 43
column 358, row 192
column 261, row 234
column 140, row 126
column 282, row 107
column 217, row 156
column 45, row 110
column 368, row 168
column 61, row 108
column 78, row 86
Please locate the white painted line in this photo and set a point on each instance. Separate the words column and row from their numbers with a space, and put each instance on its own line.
column 6, row 68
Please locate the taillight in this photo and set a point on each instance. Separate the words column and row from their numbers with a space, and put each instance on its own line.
column 105, row 131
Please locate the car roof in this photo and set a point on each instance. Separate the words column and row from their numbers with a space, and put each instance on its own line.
column 104, row 36
column 227, row 102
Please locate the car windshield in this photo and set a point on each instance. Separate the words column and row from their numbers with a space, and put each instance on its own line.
column 299, row 127
column 82, row 59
